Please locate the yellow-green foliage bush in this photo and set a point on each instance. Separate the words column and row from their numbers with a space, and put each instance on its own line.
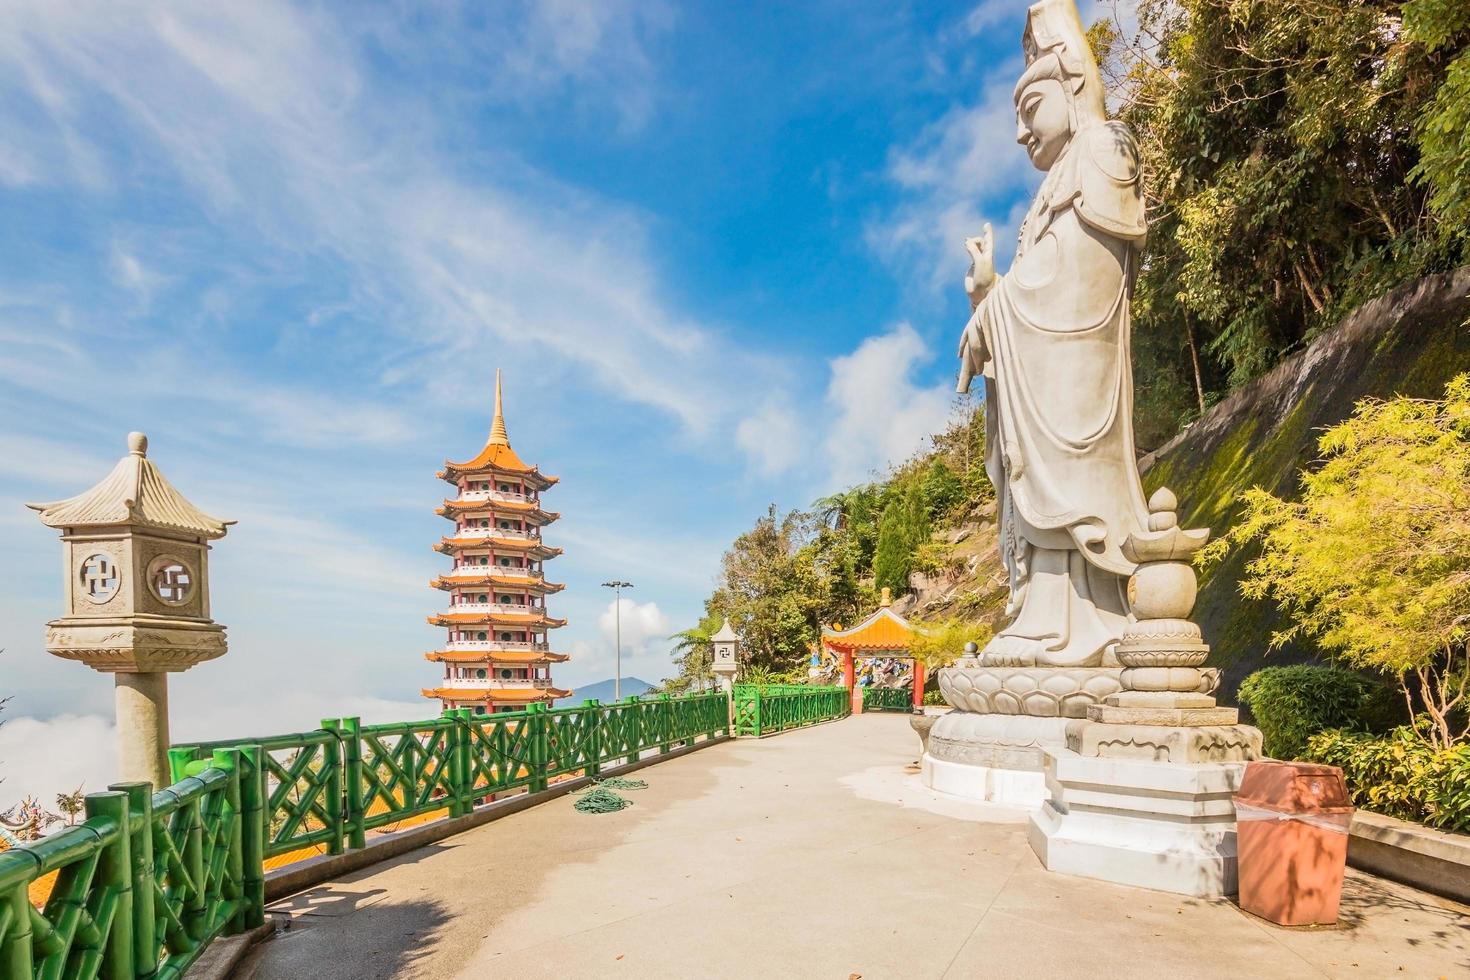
column 1400, row 774
column 1373, row 560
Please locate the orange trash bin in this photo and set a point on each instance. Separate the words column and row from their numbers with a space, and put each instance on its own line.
column 1291, row 840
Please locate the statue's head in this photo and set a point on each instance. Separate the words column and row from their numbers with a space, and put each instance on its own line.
column 1060, row 91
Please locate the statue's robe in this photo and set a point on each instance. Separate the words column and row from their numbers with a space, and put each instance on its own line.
column 1059, row 406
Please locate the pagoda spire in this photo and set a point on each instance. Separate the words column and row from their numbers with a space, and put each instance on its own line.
column 498, row 435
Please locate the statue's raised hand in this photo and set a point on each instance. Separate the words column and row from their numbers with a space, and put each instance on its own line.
column 982, row 265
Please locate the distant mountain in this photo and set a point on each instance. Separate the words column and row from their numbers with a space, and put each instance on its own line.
column 603, row 691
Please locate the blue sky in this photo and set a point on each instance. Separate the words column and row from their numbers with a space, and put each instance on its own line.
column 715, row 248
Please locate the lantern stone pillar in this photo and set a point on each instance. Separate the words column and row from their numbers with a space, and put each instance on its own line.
column 136, row 597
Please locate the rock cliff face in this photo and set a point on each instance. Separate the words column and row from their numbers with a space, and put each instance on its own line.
column 1407, row 342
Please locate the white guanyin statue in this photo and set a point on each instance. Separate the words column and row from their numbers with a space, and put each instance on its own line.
column 1051, row 340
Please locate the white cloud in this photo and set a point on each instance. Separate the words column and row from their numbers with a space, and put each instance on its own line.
column 963, row 170
column 645, row 630
column 773, row 438
column 640, row 623
column 43, row 758
column 880, row 415
column 264, row 111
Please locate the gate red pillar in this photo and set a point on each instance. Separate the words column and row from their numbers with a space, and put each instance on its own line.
column 849, row 676
column 918, row 683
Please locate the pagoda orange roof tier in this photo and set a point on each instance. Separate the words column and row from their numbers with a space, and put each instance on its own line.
column 498, row 460
column 533, row 549
column 495, row 656
column 884, row 630
column 526, row 508
column 495, row 619
column 537, row 585
column 496, row 695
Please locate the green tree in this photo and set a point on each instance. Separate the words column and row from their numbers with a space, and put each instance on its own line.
column 71, row 804
column 1282, row 142
column 772, row 591
column 904, row 527
column 693, row 655
column 1443, row 128
column 943, row 489
column 1373, row 561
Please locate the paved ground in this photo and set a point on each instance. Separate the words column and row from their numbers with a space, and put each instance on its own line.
column 810, row 854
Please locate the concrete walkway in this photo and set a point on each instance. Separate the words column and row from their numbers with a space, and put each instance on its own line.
column 809, row 854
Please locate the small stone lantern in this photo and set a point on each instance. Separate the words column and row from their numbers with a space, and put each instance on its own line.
column 726, row 646
column 136, row 593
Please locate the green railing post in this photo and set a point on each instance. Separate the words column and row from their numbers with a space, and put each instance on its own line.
column 115, row 873
column 144, row 921
column 540, row 745
column 195, row 913
column 253, row 820
column 332, row 762
column 17, row 868
column 665, row 714
column 178, row 764
column 356, row 815
column 464, row 780
column 593, row 716
column 755, row 714
column 634, row 728
column 234, row 876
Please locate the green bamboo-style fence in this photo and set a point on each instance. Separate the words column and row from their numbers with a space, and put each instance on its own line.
column 888, row 699
column 149, row 879
column 767, row 709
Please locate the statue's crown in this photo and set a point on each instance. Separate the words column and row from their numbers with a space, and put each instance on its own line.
column 1056, row 47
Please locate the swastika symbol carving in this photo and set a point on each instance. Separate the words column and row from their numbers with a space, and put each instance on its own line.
column 100, row 578
column 172, row 581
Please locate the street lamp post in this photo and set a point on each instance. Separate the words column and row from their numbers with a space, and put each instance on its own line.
column 617, row 585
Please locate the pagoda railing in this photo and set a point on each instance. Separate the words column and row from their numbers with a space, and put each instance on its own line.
column 502, row 495
column 496, row 607
column 149, row 879
column 500, row 571
column 505, row 533
column 495, row 645
column 507, row 682
column 765, row 709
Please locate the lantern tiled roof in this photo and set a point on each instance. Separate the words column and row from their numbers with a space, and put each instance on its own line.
column 135, row 493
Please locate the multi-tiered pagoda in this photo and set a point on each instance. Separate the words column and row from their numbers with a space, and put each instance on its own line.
column 496, row 656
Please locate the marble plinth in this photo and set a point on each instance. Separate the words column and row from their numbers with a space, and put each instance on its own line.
column 1024, row 788
column 991, row 758
column 1167, row 826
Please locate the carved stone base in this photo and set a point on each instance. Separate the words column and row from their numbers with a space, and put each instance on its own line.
column 1145, row 824
column 1059, row 692
column 1159, row 699
column 1165, row 743
column 1179, row 717
column 135, row 647
column 998, row 741
column 1041, row 692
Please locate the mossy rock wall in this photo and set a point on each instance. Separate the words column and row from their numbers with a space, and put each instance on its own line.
column 1410, row 341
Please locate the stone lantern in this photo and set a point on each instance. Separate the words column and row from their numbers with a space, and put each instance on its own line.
column 726, row 645
column 136, row 595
